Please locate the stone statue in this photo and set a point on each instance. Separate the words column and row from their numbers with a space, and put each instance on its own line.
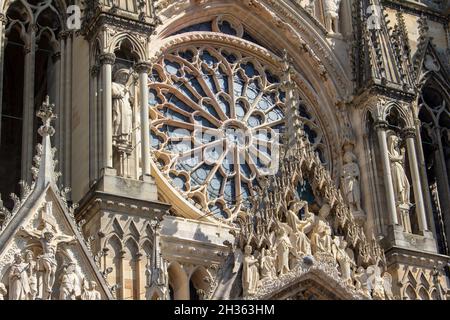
column 90, row 292
column 3, row 291
column 321, row 233
column 31, row 273
column 267, row 264
column 350, row 181
column 121, row 106
column 19, row 288
column 49, row 241
column 283, row 246
column 361, row 281
column 250, row 273
column 345, row 258
column 399, row 177
column 300, row 227
column 70, row 287
column 400, row 181
column 331, row 12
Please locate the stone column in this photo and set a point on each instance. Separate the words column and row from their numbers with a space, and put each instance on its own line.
column 424, row 179
column 143, row 68
column 3, row 21
column 28, row 105
column 381, row 127
column 94, row 124
column 107, row 60
column 409, row 134
column 67, row 142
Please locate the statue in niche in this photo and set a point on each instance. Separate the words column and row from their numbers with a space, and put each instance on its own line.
column 31, row 273
column 3, row 291
column 250, row 273
column 19, row 287
column 350, row 182
column 267, row 263
column 70, row 287
column 331, row 12
column 49, row 240
column 283, row 246
column 122, row 107
column 321, row 233
column 300, row 227
column 400, row 181
column 399, row 177
column 345, row 258
column 90, row 292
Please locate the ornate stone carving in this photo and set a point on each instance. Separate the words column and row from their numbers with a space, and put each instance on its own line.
column 19, row 287
column 70, row 283
column 89, row 291
column 331, row 12
column 49, row 240
column 250, row 272
column 402, row 187
column 350, row 182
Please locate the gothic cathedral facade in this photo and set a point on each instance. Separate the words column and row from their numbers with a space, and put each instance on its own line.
column 224, row 149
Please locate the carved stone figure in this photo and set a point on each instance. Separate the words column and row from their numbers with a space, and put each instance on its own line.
column 345, row 259
column 3, row 291
column 90, row 292
column 283, row 246
column 331, row 11
column 121, row 106
column 31, row 273
column 361, row 281
column 400, row 181
column 250, row 273
column 399, row 177
column 70, row 287
column 321, row 233
column 19, row 288
column 267, row 264
column 300, row 227
column 350, row 181
column 49, row 241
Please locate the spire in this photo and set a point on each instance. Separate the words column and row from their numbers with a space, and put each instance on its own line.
column 44, row 168
column 293, row 123
column 381, row 59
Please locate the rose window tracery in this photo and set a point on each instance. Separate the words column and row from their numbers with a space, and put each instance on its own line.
column 217, row 114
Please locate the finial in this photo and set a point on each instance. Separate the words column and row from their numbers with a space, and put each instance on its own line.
column 46, row 114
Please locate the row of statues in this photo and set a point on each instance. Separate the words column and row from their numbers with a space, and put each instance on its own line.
column 311, row 236
column 330, row 12
column 26, row 281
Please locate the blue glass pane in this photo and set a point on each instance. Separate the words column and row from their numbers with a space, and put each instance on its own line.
column 182, row 87
column 171, row 114
column 226, row 27
column 224, row 105
column 180, row 104
column 153, row 97
column 208, row 58
column 303, row 112
column 249, row 69
column 197, row 86
column 254, row 121
column 187, row 55
column 178, row 181
column 238, row 85
column 230, row 190
column 305, row 192
column 203, row 26
column 172, row 67
column 240, row 110
column 310, row 133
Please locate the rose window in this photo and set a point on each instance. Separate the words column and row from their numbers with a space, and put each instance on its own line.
column 216, row 118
